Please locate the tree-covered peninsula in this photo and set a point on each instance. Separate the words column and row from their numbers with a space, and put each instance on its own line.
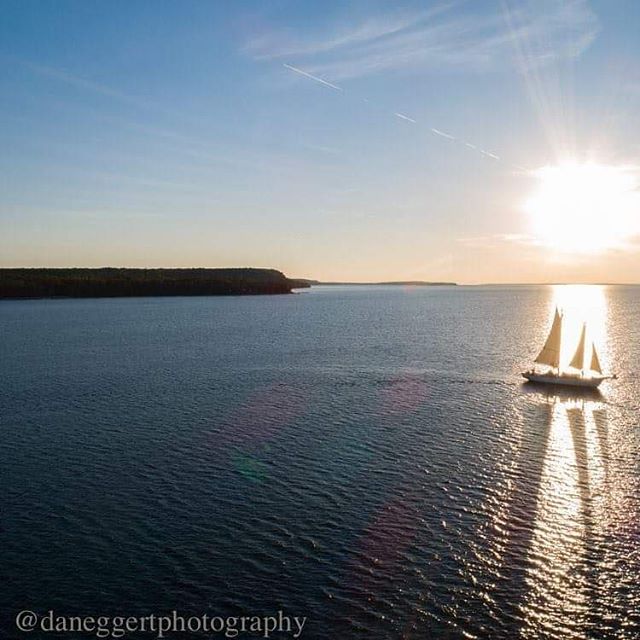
column 117, row 282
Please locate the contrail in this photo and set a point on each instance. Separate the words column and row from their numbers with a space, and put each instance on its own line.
column 489, row 154
column 407, row 118
column 309, row 75
column 402, row 116
column 442, row 133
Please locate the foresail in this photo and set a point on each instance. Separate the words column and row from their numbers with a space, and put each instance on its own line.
column 578, row 359
column 550, row 353
column 595, row 361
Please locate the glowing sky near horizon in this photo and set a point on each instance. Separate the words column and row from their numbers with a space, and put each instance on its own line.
column 475, row 142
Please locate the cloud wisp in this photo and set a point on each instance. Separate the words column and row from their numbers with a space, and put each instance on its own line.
column 447, row 36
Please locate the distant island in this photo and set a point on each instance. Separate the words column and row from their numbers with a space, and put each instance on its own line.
column 122, row 282
column 404, row 283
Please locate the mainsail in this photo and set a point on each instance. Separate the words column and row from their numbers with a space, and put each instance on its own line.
column 578, row 359
column 550, row 353
column 595, row 361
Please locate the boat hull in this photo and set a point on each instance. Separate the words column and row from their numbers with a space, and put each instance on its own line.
column 563, row 380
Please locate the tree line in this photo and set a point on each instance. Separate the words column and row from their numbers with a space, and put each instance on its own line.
column 117, row 282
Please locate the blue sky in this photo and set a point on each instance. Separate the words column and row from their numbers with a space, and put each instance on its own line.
column 172, row 134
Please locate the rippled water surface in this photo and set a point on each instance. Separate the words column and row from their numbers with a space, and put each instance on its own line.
column 365, row 456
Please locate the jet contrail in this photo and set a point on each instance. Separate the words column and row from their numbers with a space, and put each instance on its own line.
column 309, row 75
column 407, row 118
column 489, row 154
column 442, row 133
column 402, row 116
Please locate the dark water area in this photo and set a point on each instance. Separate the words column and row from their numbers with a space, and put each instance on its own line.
column 367, row 457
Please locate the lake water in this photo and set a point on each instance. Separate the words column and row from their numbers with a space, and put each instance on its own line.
column 364, row 456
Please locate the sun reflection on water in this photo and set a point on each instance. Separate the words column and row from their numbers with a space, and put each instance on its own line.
column 582, row 304
column 574, row 510
column 556, row 589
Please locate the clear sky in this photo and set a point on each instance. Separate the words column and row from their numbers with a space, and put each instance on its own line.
column 477, row 141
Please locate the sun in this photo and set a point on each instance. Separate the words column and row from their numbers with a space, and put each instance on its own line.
column 584, row 207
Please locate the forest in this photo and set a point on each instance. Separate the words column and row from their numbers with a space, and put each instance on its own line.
column 124, row 282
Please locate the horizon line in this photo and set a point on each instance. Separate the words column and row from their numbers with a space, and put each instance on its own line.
column 318, row 282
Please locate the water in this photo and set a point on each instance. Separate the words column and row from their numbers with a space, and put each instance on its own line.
column 363, row 456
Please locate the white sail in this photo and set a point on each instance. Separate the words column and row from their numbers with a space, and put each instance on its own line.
column 550, row 353
column 578, row 359
column 595, row 361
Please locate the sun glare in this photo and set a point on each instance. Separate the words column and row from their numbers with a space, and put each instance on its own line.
column 582, row 303
column 584, row 208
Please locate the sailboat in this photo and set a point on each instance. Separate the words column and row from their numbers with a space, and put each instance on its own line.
column 578, row 374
